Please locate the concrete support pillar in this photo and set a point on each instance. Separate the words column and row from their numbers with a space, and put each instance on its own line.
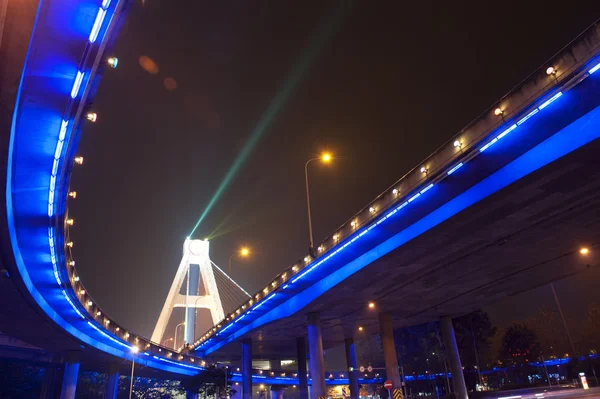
column 190, row 395
column 316, row 364
column 389, row 349
column 112, row 381
column 302, row 378
column 247, row 368
column 69, row 383
column 458, row 379
column 351, row 364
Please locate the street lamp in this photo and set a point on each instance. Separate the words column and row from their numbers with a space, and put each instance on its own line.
column 244, row 252
column 325, row 158
column 175, row 335
column 134, row 350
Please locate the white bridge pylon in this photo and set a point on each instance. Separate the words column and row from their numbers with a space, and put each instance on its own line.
column 197, row 272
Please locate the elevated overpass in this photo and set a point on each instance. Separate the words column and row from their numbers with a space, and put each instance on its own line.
column 53, row 53
column 508, row 204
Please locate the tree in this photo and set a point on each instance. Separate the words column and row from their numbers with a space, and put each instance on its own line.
column 149, row 388
column 210, row 382
column 474, row 333
column 90, row 385
column 520, row 345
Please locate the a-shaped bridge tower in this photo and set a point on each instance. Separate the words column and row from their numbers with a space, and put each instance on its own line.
column 202, row 290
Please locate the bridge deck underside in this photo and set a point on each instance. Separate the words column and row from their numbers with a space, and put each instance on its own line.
column 525, row 236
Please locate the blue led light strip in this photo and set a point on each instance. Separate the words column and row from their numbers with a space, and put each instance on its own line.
column 177, row 364
column 454, row 169
column 97, row 24
column 594, row 69
column 108, row 336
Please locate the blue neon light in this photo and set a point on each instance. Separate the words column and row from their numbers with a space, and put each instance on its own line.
column 105, row 4
column 77, row 82
column 177, row 364
column 454, row 169
column 97, row 24
column 488, row 145
column 549, row 101
column 424, row 190
column 108, row 336
column 594, row 69
column 414, row 197
column 529, row 115
column 507, row 131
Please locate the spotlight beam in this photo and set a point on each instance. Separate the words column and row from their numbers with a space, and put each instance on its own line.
column 328, row 28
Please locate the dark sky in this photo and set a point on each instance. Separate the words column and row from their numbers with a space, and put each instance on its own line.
column 392, row 82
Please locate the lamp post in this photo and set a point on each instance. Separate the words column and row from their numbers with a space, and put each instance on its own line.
column 325, row 158
column 175, row 335
column 243, row 252
column 134, row 350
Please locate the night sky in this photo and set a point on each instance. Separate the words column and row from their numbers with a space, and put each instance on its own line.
column 380, row 83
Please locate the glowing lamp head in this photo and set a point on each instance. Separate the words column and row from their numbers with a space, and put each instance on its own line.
column 98, row 313
column 371, row 210
column 73, row 194
column 92, row 117
column 81, row 292
column 113, row 62
column 360, row 328
column 135, row 349
column 89, row 303
column 457, row 144
column 69, row 244
column 336, row 237
column 371, row 305
column 550, row 71
column 424, row 169
column 70, row 222
column 498, row 112
column 78, row 161
column 72, row 263
column 245, row 252
column 584, row 251
column 395, row 191
column 326, row 157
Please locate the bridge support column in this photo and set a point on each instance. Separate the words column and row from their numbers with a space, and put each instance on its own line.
column 190, row 395
column 112, row 381
column 302, row 378
column 351, row 364
column 247, row 368
column 389, row 349
column 316, row 362
column 69, row 383
column 458, row 379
